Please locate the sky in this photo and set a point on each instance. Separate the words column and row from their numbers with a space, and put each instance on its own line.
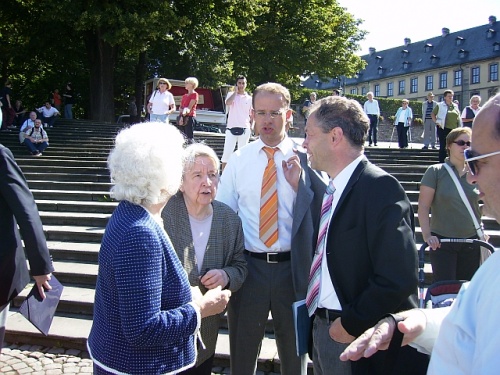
column 389, row 22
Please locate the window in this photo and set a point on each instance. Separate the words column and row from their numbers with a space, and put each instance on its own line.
column 363, row 90
column 354, row 91
column 414, row 85
column 457, row 78
column 427, row 47
column 443, row 80
column 494, row 72
column 474, row 73
column 377, row 90
column 429, row 83
column 401, row 87
column 390, row 89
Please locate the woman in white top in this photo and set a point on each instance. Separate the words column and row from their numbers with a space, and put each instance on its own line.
column 162, row 103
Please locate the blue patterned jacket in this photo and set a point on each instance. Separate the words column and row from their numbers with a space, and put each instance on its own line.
column 144, row 322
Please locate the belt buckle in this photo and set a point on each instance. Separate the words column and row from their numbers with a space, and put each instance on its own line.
column 269, row 260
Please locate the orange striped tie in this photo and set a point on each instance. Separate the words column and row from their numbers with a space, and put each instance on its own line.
column 268, row 230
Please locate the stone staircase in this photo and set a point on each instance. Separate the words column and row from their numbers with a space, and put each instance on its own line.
column 71, row 185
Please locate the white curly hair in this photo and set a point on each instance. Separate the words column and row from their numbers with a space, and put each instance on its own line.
column 146, row 163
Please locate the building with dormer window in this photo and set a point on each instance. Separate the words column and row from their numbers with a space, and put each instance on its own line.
column 465, row 61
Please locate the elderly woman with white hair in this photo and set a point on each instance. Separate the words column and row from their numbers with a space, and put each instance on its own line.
column 145, row 321
column 208, row 238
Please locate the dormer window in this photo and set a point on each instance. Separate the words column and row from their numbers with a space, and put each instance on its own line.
column 404, row 53
column 378, row 58
column 496, row 46
column 427, row 47
column 462, row 53
column 490, row 33
column 459, row 41
column 380, row 70
column 434, row 59
column 406, row 65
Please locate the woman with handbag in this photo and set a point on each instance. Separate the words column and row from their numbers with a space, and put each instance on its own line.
column 187, row 110
column 162, row 103
column 450, row 217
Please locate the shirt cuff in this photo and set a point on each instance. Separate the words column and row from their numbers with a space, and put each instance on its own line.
column 425, row 341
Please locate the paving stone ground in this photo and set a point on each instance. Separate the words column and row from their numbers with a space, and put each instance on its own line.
column 38, row 360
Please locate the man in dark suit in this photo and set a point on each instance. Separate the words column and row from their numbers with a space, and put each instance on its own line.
column 367, row 262
column 17, row 207
column 278, row 269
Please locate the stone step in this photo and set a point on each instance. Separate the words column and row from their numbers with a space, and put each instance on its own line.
column 59, row 176
column 76, row 273
column 66, row 331
column 69, row 185
column 73, row 233
column 104, row 207
column 74, row 195
column 74, row 218
column 64, row 169
column 74, row 300
column 74, row 251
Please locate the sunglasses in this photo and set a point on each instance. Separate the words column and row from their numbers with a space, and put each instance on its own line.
column 471, row 160
column 462, row 143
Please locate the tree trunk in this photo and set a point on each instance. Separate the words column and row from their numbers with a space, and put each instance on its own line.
column 140, row 73
column 102, row 63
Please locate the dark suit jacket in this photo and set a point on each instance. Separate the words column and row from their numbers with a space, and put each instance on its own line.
column 371, row 252
column 17, row 206
column 306, row 215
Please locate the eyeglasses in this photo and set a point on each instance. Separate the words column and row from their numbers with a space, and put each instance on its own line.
column 471, row 160
column 162, row 83
column 272, row 114
column 462, row 143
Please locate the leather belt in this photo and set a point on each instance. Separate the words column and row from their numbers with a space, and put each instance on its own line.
column 329, row 315
column 270, row 257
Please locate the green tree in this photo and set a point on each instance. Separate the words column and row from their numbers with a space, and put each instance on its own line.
column 295, row 38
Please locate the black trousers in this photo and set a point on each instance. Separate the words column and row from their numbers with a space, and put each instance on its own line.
column 187, row 130
column 402, row 135
column 373, row 129
column 442, row 133
column 454, row 261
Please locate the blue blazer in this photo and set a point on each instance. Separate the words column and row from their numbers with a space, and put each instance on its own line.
column 143, row 321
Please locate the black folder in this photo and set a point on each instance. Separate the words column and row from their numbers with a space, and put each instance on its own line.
column 38, row 311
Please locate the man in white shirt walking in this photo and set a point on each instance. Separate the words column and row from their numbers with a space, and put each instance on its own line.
column 239, row 126
column 372, row 109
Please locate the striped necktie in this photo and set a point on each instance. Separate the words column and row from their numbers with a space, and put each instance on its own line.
column 268, row 228
column 312, row 297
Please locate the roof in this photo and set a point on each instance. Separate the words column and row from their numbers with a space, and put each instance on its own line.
column 461, row 47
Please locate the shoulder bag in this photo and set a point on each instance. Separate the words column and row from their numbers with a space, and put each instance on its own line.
column 485, row 253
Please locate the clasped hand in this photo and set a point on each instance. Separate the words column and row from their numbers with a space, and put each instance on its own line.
column 214, row 278
column 213, row 302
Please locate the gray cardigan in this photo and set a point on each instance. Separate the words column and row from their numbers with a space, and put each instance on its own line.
column 224, row 251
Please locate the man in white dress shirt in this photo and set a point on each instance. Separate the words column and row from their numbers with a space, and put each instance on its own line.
column 277, row 272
